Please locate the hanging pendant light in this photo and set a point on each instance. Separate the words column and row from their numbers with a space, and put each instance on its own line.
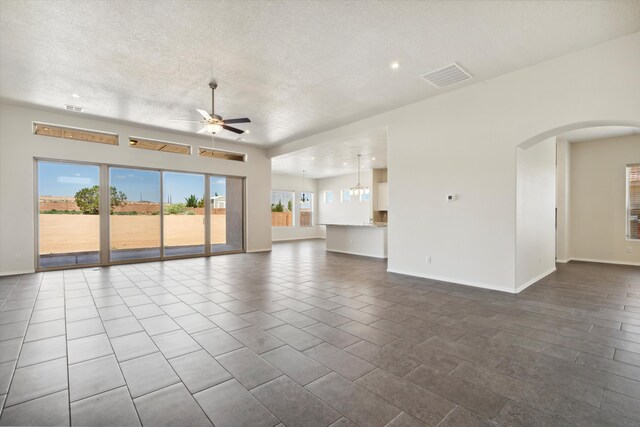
column 358, row 189
column 303, row 196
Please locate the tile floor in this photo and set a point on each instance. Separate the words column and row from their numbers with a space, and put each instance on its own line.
column 305, row 338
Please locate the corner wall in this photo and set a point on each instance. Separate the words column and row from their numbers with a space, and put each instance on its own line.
column 598, row 200
column 19, row 146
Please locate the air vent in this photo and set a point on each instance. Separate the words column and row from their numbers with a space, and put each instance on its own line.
column 74, row 108
column 151, row 144
column 446, row 76
column 76, row 134
column 222, row 154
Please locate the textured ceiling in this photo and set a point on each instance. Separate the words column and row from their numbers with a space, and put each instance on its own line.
column 294, row 67
column 336, row 158
column 600, row 132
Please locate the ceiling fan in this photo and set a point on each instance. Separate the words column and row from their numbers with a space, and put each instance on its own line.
column 212, row 123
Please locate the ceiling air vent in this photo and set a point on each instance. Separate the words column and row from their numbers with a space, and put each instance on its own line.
column 73, row 108
column 446, row 76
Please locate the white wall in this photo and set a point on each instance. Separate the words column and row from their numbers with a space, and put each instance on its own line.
column 337, row 212
column 535, row 221
column 465, row 141
column 563, row 189
column 19, row 146
column 295, row 183
column 598, row 200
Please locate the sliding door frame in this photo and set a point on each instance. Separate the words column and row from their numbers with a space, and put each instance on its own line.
column 105, row 217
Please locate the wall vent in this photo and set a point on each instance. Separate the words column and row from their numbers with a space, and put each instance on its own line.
column 74, row 108
column 446, row 76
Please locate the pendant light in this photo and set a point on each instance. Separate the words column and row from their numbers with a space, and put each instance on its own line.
column 303, row 196
column 358, row 189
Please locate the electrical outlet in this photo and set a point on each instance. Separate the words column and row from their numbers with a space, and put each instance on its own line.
column 428, row 259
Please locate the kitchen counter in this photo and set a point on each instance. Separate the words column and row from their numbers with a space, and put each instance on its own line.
column 357, row 239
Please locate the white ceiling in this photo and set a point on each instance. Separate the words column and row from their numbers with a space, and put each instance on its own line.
column 335, row 158
column 600, row 132
column 293, row 67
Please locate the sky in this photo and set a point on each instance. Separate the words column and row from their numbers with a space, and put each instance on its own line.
column 65, row 179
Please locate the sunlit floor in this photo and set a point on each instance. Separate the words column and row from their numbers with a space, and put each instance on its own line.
column 304, row 337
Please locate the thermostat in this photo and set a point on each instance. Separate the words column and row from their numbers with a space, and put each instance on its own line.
column 451, row 197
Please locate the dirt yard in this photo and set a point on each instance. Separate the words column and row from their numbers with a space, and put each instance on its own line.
column 80, row 233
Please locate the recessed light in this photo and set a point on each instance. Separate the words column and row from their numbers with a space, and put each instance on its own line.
column 75, row 95
column 247, row 131
column 345, row 163
column 313, row 158
column 373, row 158
column 395, row 65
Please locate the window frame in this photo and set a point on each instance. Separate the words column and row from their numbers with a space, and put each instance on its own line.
column 293, row 205
column 628, row 208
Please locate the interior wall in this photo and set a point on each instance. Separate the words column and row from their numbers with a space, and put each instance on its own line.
column 563, row 189
column 463, row 143
column 598, row 200
column 535, row 221
column 295, row 183
column 353, row 212
column 19, row 146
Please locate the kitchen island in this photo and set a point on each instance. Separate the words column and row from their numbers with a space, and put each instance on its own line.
column 365, row 240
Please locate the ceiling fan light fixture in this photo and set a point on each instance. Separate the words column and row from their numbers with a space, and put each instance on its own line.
column 213, row 127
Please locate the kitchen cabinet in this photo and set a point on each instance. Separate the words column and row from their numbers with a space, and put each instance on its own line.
column 383, row 196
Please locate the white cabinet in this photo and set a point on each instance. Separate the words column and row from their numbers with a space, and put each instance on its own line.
column 383, row 197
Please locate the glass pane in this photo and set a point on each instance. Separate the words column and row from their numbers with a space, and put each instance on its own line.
column 183, row 195
column 135, row 214
column 345, row 195
column 227, row 202
column 69, row 220
column 306, row 209
column 282, row 206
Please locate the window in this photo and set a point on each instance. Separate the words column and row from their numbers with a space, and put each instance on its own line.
column 167, row 147
column 633, row 201
column 328, row 196
column 345, row 196
column 222, row 154
column 306, row 209
column 365, row 195
column 282, row 207
column 75, row 134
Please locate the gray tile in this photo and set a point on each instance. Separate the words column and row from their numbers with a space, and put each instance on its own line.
column 10, row 349
column 13, row 330
column 581, row 414
column 294, row 318
column 148, row 373
column 134, row 345
column 175, row 343
column 620, row 404
column 46, row 315
column 159, row 324
column 88, row 348
column 256, row 339
column 296, row 365
column 627, row 357
column 368, row 333
column 395, row 363
column 294, row 405
column 6, row 372
column 345, row 364
column 43, row 330
column 82, row 313
column 515, row 414
column 262, row 320
column 146, row 310
column 193, row 323
column 229, row 321
column 99, row 410
column 296, row 338
column 114, row 312
column 354, row 402
column 217, row 341
column 199, row 370
column 94, row 377
column 42, row 350
column 177, row 309
column 230, row 404
column 208, row 308
column 332, row 335
column 463, row 417
column 37, row 380
column 171, row 406
column 248, row 368
column 84, row 328
column 406, row 420
column 357, row 315
column 19, row 315
column 122, row 326
column 51, row 410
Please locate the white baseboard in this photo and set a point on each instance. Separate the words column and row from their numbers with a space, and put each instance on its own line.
column 357, row 253
column 17, row 272
column 563, row 260
column 291, row 239
column 259, row 250
column 604, row 261
column 534, row 280
column 456, row 281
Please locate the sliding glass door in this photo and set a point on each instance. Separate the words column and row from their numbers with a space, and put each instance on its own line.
column 134, row 214
column 102, row 214
column 184, row 221
column 68, row 214
column 227, row 206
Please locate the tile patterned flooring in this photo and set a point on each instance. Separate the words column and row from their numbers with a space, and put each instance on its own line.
column 304, row 338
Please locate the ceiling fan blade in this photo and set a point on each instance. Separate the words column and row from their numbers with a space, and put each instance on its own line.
column 232, row 129
column 185, row 121
column 204, row 114
column 203, row 130
column 242, row 120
